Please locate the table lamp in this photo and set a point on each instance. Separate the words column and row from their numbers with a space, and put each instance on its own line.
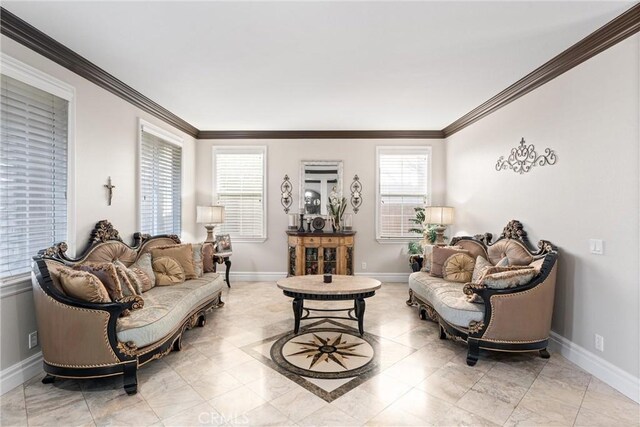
column 210, row 216
column 440, row 216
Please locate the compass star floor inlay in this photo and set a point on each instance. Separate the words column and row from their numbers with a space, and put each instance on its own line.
column 327, row 358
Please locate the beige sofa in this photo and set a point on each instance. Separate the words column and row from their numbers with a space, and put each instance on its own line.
column 512, row 319
column 87, row 340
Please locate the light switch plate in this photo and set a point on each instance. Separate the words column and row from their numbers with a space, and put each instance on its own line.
column 596, row 246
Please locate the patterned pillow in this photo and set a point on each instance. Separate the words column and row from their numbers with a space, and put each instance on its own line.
column 134, row 279
column 208, row 264
column 197, row 259
column 479, row 270
column 108, row 275
column 83, row 285
column 168, row 271
column 439, row 256
column 128, row 287
column 143, row 268
column 183, row 254
column 510, row 278
column 458, row 268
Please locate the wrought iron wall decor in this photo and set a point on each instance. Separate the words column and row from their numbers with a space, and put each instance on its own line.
column 285, row 194
column 356, row 194
column 524, row 157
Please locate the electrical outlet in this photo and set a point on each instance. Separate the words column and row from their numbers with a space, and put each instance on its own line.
column 599, row 342
column 33, row 339
column 596, row 246
column 364, row 265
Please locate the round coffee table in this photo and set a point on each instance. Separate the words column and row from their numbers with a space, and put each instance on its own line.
column 312, row 287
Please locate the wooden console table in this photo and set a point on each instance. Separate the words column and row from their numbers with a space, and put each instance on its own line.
column 319, row 253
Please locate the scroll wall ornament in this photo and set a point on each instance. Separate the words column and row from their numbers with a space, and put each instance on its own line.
column 356, row 194
column 524, row 157
column 285, row 189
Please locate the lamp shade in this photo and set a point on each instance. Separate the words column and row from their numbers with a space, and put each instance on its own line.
column 441, row 215
column 210, row 214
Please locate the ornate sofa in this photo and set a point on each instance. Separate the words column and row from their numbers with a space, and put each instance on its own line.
column 513, row 319
column 87, row 340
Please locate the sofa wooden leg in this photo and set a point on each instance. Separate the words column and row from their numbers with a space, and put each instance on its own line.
column 202, row 320
column 443, row 335
column 131, row 378
column 422, row 313
column 473, row 353
column 177, row 344
column 544, row 353
column 48, row 379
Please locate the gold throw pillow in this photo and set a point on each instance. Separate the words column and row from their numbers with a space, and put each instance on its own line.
column 83, row 286
column 183, row 254
column 458, row 268
column 168, row 271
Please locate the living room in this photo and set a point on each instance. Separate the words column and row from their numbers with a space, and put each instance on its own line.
column 287, row 81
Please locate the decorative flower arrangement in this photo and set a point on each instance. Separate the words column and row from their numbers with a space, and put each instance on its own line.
column 337, row 205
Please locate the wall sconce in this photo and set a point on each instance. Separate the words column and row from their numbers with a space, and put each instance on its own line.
column 356, row 194
column 285, row 197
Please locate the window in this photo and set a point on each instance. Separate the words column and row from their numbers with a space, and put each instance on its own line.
column 160, row 181
column 402, row 185
column 34, row 166
column 239, row 185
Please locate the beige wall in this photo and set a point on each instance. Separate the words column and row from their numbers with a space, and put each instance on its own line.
column 106, row 144
column 589, row 116
column 283, row 157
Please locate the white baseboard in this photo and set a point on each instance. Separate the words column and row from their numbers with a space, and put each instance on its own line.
column 272, row 276
column 387, row 277
column 22, row 371
column 621, row 380
column 254, row 276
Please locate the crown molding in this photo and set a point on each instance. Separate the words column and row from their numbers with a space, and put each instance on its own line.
column 320, row 134
column 613, row 32
column 29, row 36
column 620, row 28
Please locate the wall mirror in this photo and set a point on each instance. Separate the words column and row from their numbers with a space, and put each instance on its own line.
column 317, row 179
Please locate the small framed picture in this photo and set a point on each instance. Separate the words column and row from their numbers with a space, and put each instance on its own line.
column 223, row 243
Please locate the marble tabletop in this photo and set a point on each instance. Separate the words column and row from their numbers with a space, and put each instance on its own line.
column 340, row 285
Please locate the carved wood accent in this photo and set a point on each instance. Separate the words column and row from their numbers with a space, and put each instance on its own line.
column 104, row 231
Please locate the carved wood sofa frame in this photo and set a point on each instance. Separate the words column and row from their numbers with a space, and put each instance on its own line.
column 478, row 335
column 78, row 338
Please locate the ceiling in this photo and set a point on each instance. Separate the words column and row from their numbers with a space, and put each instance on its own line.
column 318, row 65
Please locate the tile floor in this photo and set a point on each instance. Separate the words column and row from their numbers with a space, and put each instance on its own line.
column 424, row 381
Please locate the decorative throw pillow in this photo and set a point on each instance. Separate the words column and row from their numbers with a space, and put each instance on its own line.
column 479, row 270
column 439, row 256
column 504, row 262
column 128, row 288
column 168, row 271
column 510, row 278
column 183, row 254
column 197, row 259
column 143, row 268
column 458, row 268
column 426, row 258
column 130, row 276
column 108, row 275
column 208, row 264
column 83, row 285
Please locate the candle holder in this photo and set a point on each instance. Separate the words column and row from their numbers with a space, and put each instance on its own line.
column 301, row 228
column 327, row 278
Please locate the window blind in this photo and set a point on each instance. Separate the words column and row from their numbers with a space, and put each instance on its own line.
column 239, row 186
column 403, row 186
column 33, row 173
column 160, row 185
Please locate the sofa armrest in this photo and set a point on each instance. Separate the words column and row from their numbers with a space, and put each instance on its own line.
column 75, row 333
column 519, row 315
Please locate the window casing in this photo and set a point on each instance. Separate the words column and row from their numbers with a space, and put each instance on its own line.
column 160, row 162
column 36, row 166
column 403, row 183
column 239, row 184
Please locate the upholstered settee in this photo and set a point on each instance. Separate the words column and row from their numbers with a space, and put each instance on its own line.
column 82, row 339
column 508, row 319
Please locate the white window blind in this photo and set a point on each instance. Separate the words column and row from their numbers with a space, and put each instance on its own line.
column 239, row 176
column 403, row 184
column 33, row 173
column 160, row 184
